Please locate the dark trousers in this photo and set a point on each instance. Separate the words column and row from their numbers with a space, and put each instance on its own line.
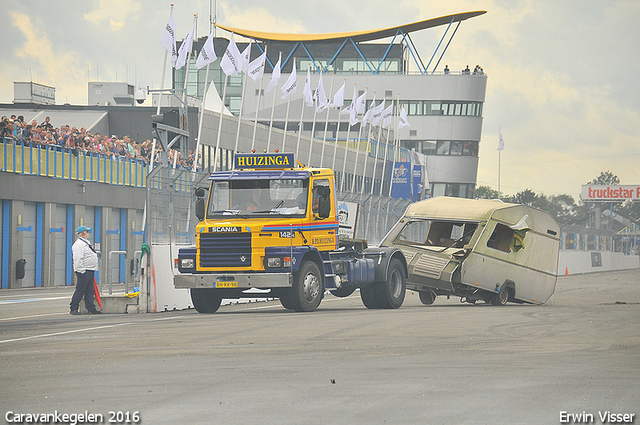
column 84, row 288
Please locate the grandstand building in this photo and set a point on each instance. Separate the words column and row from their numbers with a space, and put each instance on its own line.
column 444, row 108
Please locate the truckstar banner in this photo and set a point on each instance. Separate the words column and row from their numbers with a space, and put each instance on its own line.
column 592, row 192
column 401, row 180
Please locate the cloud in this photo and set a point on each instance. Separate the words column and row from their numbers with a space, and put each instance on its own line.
column 56, row 68
column 258, row 19
column 113, row 13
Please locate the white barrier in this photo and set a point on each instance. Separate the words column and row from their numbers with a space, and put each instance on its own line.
column 162, row 295
column 577, row 262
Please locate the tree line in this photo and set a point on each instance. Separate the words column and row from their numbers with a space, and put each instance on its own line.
column 564, row 208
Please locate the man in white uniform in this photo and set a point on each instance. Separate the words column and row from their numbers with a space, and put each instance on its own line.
column 85, row 263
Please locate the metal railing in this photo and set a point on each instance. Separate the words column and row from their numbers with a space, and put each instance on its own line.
column 71, row 164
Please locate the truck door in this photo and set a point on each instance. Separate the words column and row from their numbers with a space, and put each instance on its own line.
column 325, row 226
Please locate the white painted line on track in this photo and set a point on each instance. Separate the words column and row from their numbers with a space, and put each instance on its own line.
column 32, row 316
column 65, row 332
column 27, row 300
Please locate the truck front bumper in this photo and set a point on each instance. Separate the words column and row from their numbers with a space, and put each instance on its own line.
column 230, row 280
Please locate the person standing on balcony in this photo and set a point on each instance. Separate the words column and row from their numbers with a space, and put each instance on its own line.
column 85, row 263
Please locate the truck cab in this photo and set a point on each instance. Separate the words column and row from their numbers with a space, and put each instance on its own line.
column 272, row 227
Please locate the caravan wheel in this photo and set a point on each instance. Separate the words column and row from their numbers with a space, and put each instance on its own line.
column 501, row 298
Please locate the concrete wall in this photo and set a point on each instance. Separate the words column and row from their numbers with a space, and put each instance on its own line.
column 576, row 262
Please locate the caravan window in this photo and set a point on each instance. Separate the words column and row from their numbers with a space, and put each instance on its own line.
column 501, row 238
column 437, row 233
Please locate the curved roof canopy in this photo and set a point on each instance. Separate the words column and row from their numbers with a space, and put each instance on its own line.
column 356, row 36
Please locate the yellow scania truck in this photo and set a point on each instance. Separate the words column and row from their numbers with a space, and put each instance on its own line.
column 270, row 225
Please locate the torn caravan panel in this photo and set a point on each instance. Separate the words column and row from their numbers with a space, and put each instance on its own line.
column 478, row 250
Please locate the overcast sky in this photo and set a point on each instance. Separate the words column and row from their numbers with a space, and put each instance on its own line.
column 562, row 75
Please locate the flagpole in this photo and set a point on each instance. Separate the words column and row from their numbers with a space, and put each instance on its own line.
column 355, row 163
column 335, row 141
column 204, row 98
column 255, row 119
column 366, row 149
column 499, row 152
column 326, row 121
column 273, row 107
column 222, row 106
column 375, row 158
column 395, row 136
column 300, row 129
column 346, row 145
column 386, row 149
column 313, row 125
column 244, row 88
column 286, row 122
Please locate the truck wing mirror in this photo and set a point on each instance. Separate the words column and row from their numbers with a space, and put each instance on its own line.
column 200, row 208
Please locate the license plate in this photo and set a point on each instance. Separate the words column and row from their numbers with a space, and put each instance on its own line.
column 226, row 284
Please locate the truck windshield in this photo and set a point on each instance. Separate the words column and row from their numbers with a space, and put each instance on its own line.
column 287, row 197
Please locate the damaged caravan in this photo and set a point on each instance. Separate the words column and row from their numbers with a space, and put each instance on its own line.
column 478, row 250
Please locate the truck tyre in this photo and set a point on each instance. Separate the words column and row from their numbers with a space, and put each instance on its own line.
column 369, row 296
column 308, row 288
column 286, row 302
column 391, row 293
column 205, row 300
column 427, row 297
column 501, row 297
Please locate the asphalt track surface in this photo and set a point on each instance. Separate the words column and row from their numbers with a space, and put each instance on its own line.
column 449, row 363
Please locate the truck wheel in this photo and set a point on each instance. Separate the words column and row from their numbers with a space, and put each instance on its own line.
column 205, row 300
column 500, row 298
column 427, row 297
column 286, row 302
column 391, row 293
column 308, row 289
column 369, row 296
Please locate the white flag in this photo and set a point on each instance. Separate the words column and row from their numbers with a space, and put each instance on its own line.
column 500, row 142
column 246, row 57
column 275, row 75
column 321, row 98
column 353, row 113
column 185, row 48
column 256, row 68
column 402, row 121
column 361, row 103
column 207, row 54
column 230, row 62
column 377, row 113
column 291, row 85
column 308, row 94
column 369, row 114
column 338, row 98
column 387, row 114
column 169, row 39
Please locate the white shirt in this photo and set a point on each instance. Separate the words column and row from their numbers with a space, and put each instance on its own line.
column 83, row 256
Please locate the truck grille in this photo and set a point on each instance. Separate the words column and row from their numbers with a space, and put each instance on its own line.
column 225, row 249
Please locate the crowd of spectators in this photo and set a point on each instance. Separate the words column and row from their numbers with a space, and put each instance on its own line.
column 15, row 130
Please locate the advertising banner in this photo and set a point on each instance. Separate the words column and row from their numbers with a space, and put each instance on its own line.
column 401, row 180
column 592, row 192
column 347, row 219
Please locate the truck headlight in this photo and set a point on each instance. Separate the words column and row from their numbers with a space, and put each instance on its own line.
column 187, row 263
column 273, row 262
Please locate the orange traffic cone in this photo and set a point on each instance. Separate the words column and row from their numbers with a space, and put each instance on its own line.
column 566, row 271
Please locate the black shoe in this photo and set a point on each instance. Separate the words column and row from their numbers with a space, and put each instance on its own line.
column 95, row 312
column 74, row 312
